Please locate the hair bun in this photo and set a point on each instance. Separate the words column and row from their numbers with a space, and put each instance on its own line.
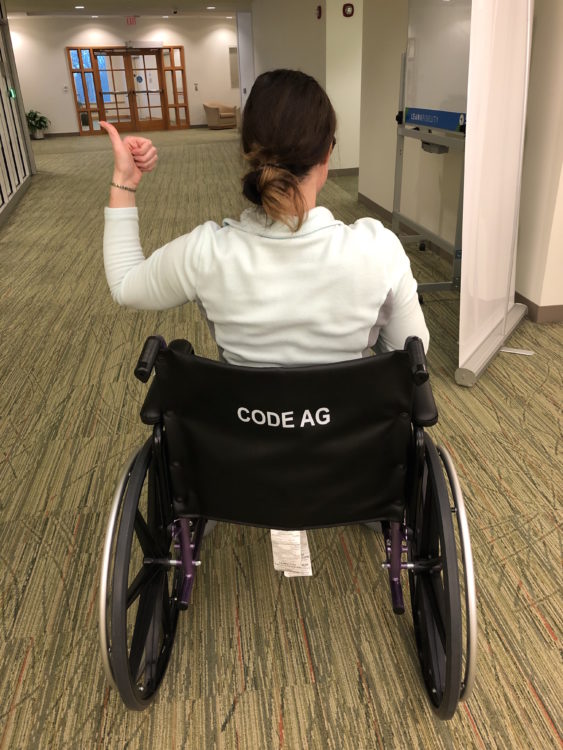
column 250, row 187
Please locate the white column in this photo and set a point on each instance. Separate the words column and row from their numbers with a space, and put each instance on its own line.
column 496, row 110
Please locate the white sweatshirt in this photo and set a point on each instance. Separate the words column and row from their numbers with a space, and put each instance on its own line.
column 326, row 293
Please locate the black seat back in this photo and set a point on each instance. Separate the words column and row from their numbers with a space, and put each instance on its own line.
column 287, row 447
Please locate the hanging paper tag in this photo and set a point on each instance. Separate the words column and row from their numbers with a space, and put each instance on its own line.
column 291, row 552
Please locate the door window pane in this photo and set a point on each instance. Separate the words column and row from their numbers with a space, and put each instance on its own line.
column 95, row 120
column 84, row 121
column 137, row 62
column 117, row 61
column 156, row 113
column 180, row 87
column 152, row 80
column 166, row 57
column 144, row 113
column 172, row 115
column 86, row 61
column 154, row 99
column 183, row 117
column 177, row 58
column 150, row 61
column 124, row 114
column 90, row 87
column 79, row 89
column 169, row 85
column 119, row 81
column 74, row 59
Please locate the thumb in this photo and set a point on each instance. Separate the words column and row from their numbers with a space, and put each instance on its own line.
column 114, row 136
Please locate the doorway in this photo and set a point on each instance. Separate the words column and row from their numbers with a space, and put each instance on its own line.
column 134, row 89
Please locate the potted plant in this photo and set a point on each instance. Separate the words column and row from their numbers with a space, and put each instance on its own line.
column 37, row 123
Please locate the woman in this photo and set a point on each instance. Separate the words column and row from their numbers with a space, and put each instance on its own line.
column 286, row 284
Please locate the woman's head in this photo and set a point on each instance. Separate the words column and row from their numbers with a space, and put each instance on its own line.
column 288, row 127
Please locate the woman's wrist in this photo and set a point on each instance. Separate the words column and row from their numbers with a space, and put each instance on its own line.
column 122, row 192
column 126, row 181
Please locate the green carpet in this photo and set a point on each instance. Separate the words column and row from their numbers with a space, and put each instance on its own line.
column 261, row 662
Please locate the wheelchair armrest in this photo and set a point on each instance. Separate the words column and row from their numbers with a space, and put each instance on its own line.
column 424, row 411
column 146, row 361
column 151, row 412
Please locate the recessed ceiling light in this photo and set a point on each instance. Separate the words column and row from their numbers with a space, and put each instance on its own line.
column 94, row 16
column 229, row 18
column 165, row 16
column 210, row 7
column 79, row 7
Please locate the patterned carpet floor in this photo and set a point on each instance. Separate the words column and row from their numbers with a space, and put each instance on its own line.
column 261, row 662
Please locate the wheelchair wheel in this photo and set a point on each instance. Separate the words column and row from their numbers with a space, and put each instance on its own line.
column 434, row 587
column 140, row 583
column 470, row 595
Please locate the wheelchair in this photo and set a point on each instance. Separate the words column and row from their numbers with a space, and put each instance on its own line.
column 285, row 448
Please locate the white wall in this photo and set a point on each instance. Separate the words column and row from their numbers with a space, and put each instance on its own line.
column 539, row 270
column 39, row 48
column 384, row 40
column 288, row 35
column 343, row 80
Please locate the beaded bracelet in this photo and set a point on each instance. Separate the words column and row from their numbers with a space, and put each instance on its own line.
column 123, row 187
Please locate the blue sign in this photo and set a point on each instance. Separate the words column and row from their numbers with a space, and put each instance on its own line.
column 435, row 118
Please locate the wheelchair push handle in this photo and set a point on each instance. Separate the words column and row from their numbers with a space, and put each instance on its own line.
column 415, row 350
column 146, row 361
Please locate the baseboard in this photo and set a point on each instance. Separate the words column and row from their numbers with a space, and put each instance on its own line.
column 60, row 135
column 347, row 172
column 403, row 228
column 383, row 213
column 539, row 314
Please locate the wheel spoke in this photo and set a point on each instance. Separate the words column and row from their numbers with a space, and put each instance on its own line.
column 143, row 621
column 149, row 544
column 143, row 577
column 154, row 636
column 435, row 603
column 434, row 653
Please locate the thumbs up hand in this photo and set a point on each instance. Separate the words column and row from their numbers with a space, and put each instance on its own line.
column 132, row 156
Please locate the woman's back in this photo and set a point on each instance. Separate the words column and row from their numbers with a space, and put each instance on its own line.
column 287, row 284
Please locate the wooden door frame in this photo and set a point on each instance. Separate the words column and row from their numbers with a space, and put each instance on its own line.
column 166, row 105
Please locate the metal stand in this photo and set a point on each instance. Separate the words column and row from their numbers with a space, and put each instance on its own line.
column 443, row 142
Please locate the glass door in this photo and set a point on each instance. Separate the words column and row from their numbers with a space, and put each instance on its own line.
column 134, row 89
column 146, row 93
column 114, row 93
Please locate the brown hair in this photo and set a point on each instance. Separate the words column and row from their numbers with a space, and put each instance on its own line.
column 288, row 127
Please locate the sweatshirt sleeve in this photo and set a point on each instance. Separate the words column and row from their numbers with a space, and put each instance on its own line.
column 167, row 278
column 406, row 317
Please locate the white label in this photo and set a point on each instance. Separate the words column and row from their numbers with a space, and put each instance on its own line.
column 291, row 554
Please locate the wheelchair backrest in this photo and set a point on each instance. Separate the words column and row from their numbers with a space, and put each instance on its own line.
column 287, row 448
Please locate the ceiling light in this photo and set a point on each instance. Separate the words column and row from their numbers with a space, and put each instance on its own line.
column 210, row 7
column 79, row 7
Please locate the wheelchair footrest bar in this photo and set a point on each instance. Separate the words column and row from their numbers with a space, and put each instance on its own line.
column 394, row 552
column 186, row 559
